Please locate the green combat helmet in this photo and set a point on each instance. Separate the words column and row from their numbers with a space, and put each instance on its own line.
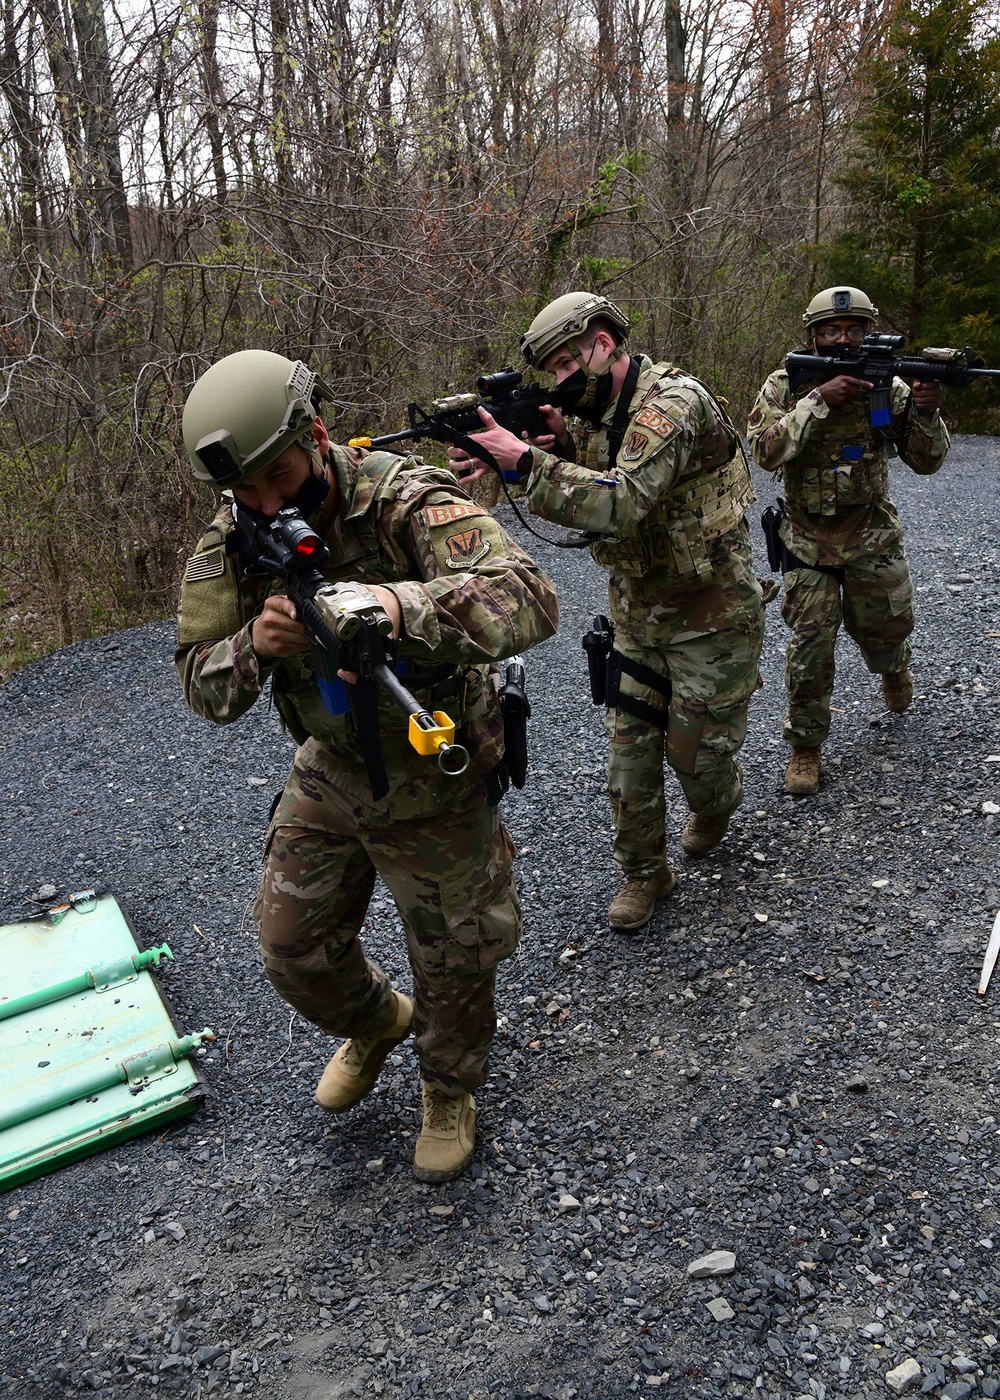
column 832, row 302
column 562, row 320
column 244, row 411
column 559, row 324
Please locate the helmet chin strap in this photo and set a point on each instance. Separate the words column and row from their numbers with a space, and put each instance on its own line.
column 596, row 394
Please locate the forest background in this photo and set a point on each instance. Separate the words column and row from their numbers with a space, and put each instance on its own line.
column 390, row 189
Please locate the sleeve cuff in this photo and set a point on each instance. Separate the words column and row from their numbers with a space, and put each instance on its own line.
column 420, row 620
column 250, row 670
column 541, row 462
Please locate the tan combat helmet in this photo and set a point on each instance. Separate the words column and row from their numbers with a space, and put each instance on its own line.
column 560, row 322
column 244, row 412
column 832, row 302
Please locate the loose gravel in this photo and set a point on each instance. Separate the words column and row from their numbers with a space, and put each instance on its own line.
column 790, row 1065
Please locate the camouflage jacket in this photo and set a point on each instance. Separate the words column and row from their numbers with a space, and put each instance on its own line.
column 469, row 598
column 835, row 467
column 680, row 484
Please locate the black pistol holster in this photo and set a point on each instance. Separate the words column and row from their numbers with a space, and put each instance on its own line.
column 597, row 643
column 607, row 666
column 779, row 557
column 770, row 523
column 516, row 710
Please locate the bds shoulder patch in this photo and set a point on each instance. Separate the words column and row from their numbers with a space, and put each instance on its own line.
column 655, row 420
column 449, row 513
column 467, row 547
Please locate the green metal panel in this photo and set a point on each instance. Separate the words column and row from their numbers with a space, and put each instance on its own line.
column 89, row 1054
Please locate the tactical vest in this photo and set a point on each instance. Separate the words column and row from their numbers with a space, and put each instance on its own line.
column 217, row 601
column 708, row 499
column 840, row 465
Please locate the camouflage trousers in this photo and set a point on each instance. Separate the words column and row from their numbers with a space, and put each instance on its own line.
column 450, row 876
column 873, row 597
column 712, row 675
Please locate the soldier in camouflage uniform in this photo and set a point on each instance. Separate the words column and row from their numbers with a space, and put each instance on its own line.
column 461, row 596
column 844, row 558
column 654, row 467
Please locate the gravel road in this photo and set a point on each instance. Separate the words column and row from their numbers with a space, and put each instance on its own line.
column 791, row 1063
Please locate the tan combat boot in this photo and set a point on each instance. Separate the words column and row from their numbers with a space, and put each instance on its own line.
column 703, row 834
column 448, row 1136
column 633, row 906
column 355, row 1067
column 897, row 689
column 802, row 773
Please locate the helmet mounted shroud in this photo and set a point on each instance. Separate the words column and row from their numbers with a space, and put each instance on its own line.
column 247, row 393
column 833, row 302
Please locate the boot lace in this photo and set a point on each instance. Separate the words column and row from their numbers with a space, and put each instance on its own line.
column 356, row 1051
column 442, row 1111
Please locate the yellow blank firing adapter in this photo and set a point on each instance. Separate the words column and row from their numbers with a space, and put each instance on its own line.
column 434, row 734
column 359, row 442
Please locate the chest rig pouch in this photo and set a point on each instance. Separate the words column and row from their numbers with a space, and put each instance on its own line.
column 707, row 501
column 843, row 464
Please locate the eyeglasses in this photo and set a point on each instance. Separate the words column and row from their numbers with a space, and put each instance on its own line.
column 853, row 337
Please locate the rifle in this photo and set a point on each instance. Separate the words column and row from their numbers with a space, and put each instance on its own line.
column 348, row 630
column 513, row 404
column 876, row 360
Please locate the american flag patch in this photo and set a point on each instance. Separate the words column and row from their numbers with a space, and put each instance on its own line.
column 211, row 564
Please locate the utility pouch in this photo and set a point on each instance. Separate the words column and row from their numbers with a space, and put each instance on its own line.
column 598, row 643
column 516, row 710
column 770, row 522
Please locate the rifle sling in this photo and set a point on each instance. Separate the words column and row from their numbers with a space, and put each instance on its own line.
column 364, row 711
column 623, row 411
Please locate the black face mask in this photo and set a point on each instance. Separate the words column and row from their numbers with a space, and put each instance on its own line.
column 310, row 495
column 576, row 387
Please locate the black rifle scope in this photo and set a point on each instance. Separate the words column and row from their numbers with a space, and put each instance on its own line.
column 504, row 381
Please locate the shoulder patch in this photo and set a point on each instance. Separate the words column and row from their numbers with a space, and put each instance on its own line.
column 466, row 548
column 635, row 445
column 656, row 420
column 448, row 514
column 211, row 564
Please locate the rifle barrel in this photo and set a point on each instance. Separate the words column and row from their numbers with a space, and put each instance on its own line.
column 386, row 438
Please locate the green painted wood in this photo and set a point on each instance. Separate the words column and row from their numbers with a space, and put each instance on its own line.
column 81, row 1041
